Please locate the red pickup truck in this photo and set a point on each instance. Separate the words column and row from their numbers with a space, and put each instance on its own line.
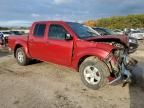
column 73, row 45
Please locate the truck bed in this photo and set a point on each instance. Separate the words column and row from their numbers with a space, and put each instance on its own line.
column 15, row 38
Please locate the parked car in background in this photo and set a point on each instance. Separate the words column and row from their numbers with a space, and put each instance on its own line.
column 118, row 31
column 16, row 32
column 133, row 43
column 6, row 33
column 137, row 34
column 1, row 38
column 103, row 31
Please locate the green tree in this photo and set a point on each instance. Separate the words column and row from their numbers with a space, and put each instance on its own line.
column 119, row 22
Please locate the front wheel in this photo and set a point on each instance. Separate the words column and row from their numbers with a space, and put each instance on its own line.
column 21, row 57
column 94, row 73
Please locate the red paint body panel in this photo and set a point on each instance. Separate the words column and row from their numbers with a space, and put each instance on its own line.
column 63, row 52
column 21, row 40
column 86, row 48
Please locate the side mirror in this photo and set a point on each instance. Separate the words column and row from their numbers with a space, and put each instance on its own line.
column 68, row 37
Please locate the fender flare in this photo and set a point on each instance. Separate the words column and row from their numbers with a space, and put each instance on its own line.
column 80, row 57
column 23, row 45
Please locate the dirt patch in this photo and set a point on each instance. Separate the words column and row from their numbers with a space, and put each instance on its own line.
column 45, row 85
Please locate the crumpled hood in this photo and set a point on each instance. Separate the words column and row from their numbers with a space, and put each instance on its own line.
column 94, row 44
column 104, row 46
column 107, row 38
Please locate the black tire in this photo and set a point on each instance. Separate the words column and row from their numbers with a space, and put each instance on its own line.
column 102, row 69
column 25, row 60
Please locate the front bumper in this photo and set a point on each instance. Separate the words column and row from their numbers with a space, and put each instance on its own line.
column 119, row 69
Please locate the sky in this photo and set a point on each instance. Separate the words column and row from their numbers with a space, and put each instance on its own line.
column 24, row 12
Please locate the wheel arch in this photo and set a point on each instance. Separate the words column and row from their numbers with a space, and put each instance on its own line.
column 99, row 53
column 18, row 45
column 81, row 60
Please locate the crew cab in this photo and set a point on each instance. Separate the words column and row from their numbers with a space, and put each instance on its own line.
column 73, row 45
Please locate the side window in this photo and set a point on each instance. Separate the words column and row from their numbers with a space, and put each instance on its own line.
column 57, row 32
column 39, row 30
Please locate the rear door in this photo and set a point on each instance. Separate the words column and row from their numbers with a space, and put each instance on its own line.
column 59, row 50
column 36, row 41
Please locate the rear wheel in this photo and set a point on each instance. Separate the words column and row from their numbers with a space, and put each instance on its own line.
column 94, row 73
column 21, row 57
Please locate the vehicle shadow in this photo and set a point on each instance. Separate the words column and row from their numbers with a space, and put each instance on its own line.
column 4, row 52
column 32, row 62
column 136, row 89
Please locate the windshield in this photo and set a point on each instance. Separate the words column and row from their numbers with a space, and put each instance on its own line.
column 81, row 30
column 104, row 31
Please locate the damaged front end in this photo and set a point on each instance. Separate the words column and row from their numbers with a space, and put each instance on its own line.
column 118, row 61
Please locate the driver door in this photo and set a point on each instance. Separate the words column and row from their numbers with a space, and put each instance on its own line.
column 59, row 50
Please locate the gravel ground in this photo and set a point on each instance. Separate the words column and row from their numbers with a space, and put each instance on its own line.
column 46, row 85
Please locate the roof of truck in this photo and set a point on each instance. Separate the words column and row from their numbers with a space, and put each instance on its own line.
column 47, row 21
column 55, row 21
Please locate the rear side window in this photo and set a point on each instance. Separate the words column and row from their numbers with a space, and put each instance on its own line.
column 57, row 32
column 39, row 30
